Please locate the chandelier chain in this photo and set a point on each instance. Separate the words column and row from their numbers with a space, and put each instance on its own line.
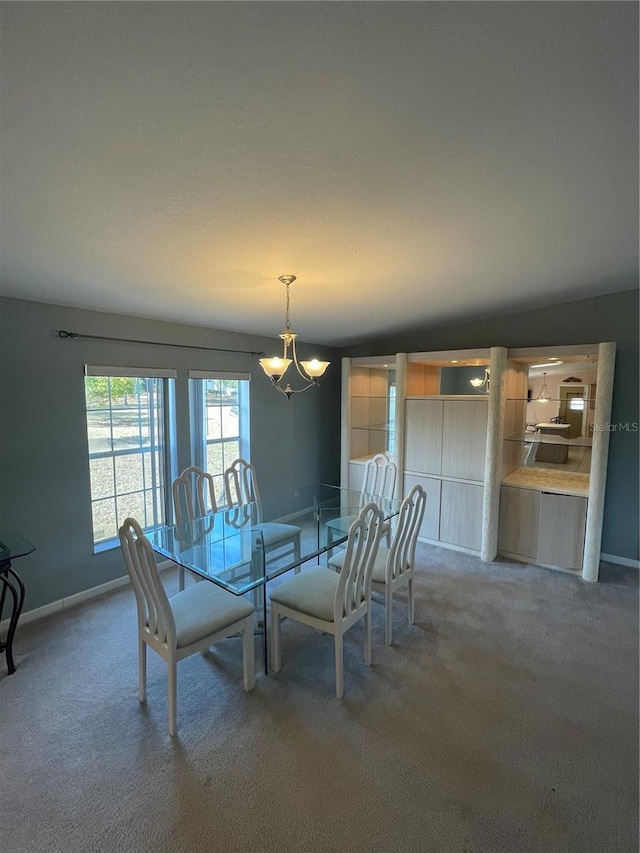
column 287, row 324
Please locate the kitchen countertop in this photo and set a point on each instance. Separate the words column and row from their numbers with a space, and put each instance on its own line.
column 546, row 480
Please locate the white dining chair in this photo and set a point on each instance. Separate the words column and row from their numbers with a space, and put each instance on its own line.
column 241, row 490
column 379, row 481
column 188, row 622
column 393, row 566
column 329, row 601
column 193, row 497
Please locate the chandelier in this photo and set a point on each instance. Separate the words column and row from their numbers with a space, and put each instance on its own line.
column 276, row 367
column 543, row 395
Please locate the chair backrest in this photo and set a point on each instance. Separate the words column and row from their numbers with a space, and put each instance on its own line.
column 241, row 483
column 403, row 547
column 354, row 582
column 193, row 494
column 154, row 610
column 379, row 478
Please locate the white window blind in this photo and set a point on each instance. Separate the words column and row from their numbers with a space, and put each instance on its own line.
column 219, row 374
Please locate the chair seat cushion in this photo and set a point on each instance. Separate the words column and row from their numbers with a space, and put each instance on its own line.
column 313, row 592
column 274, row 532
column 379, row 567
column 204, row 609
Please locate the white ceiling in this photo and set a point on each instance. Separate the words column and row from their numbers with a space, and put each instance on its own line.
column 411, row 163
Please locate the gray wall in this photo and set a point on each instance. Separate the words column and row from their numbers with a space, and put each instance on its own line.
column 587, row 321
column 44, row 469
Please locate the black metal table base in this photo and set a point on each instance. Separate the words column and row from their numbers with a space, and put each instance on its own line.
column 10, row 581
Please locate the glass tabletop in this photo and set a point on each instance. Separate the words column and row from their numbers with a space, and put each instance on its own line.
column 237, row 548
column 14, row 545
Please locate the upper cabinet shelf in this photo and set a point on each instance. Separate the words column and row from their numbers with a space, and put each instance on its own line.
column 549, row 400
column 540, row 438
column 388, row 427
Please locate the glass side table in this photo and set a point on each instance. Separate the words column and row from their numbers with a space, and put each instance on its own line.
column 12, row 546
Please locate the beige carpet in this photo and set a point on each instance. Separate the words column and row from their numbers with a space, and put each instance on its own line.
column 506, row 719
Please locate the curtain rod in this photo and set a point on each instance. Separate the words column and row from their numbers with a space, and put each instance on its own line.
column 76, row 335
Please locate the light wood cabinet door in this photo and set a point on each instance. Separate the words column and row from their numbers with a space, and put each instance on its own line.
column 423, row 436
column 430, row 527
column 461, row 514
column 562, row 526
column 464, row 439
column 519, row 522
column 356, row 476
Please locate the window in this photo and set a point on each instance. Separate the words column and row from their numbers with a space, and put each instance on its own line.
column 128, row 416
column 391, row 413
column 220, row 419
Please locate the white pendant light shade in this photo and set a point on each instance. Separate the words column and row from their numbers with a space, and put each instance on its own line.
column 315, row 368
column 275, row 367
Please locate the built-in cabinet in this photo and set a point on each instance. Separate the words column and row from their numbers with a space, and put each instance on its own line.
column 542, row 527
column 466, row 427
column 446, row 439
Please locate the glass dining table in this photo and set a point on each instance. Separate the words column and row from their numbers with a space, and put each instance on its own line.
column 234, row 548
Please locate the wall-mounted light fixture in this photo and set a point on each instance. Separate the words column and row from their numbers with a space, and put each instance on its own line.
column 479, row 382
column 276, row 367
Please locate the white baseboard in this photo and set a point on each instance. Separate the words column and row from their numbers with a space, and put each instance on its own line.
column 78, row 598
column 449, row 547
column 620, row 561
column 70, row 601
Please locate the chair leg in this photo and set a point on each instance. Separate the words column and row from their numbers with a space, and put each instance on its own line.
column 172, row 685
column 411, row 602
column 368, row 657
column 339, row 666
column 248, row 655
column 296, row 553
column 276, row 657
column 142, row 670
column 181, row 578
column 388, row 615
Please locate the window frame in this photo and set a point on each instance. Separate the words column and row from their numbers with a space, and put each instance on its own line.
column 164, row 450
column 199, row 439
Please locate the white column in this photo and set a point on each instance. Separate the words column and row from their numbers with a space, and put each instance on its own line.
column 599, row 457
column 345, row 422
column 493, row 457
column 401, row 394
